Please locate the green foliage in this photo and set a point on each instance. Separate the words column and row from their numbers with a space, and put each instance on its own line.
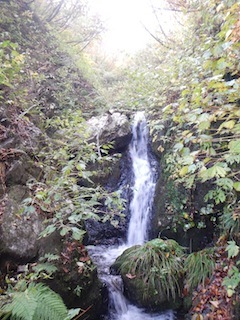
column 232, row 249
column 232, row 281
column 199, row 126
column 158, row 263
column 33, row 301
column 68, row 195
column 198, row 267
column 43, row 271
column 230, row 221
column 11, row 62
column 176, row 204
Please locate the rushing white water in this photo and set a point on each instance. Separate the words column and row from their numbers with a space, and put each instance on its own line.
column 144, row 185
column 140, row 210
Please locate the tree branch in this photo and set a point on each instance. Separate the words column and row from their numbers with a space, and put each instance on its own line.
column 155, row 37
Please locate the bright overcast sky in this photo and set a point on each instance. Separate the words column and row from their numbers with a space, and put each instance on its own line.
column 123, row 20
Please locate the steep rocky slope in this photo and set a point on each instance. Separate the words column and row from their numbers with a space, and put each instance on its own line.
column 38, row 82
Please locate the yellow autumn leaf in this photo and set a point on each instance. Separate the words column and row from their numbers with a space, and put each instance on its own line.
column 206, row 160
column 236, row 113
column 185, row 215
column 230, row 292
column 227, row 125
column 204, row 125
column 160, row 149
column 236, row 186
column 183, row 171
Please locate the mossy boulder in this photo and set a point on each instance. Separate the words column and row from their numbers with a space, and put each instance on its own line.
column 152, row 274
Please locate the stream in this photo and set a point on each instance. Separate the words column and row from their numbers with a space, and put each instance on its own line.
column 140, row 211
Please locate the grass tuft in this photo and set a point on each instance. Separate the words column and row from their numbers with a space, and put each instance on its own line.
column 158, row 263
column 198, row 267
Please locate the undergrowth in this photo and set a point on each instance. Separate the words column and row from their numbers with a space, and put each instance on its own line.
column 32, row 302
column 198, row 267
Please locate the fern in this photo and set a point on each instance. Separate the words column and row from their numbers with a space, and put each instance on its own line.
column 36, row 302
column 23, row 305
column 50, row 305
column 45, row 267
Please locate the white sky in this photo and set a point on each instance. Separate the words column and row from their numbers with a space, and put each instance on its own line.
column 123, row 20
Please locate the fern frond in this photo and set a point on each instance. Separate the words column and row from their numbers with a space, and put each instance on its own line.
column 44, row 267
column 50, row 305
column 23, row 305
column 36, row 302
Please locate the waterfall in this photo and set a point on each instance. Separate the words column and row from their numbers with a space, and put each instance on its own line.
column 140, row 210
column 144, row 184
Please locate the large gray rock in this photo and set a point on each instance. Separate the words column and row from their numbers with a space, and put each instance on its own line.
column 19, row 232
column 112, row 128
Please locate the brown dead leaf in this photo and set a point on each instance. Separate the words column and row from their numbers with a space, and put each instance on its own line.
column 65, row 270
column 130, row 276
column 84, row 259
column 215, row 303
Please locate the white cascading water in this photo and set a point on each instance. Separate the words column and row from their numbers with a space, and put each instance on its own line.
column 140, row 209
column 144, row 185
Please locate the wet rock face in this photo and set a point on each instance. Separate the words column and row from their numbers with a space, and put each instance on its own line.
column 120, row 179
column 105, row 173
column 105, row 233
column 112, row 128
column 76, row 280
column 19, row 140
column 169, row 203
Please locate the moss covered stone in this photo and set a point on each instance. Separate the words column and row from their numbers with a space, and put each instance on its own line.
column 152, row 274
